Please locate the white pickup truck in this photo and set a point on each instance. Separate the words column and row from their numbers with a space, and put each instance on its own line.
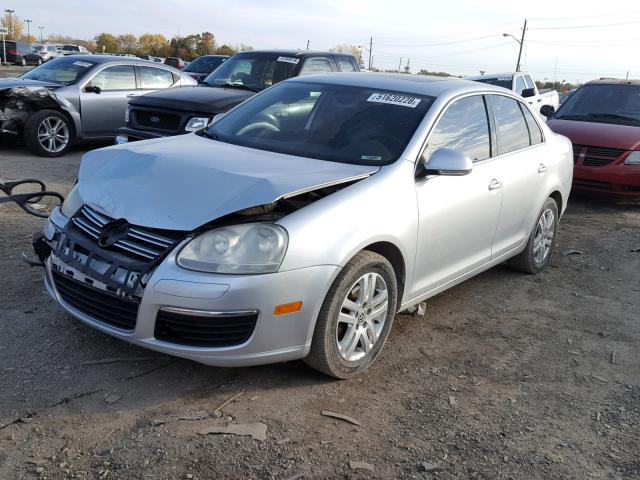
column 523, row 85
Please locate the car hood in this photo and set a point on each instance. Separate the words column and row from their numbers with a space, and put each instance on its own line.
column 23, row 82
column 181, row 183
column 598, row 134
column 194, row 99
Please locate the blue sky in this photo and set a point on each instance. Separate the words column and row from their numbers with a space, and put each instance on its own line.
column 570, row 40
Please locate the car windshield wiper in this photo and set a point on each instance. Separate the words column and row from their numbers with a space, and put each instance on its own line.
column 206, row 134
column 239, row 85
column 613, row 115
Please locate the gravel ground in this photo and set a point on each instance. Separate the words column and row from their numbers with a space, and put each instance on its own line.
column 507, row 376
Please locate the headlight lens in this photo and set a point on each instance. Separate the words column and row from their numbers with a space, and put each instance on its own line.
column 196, row 123
column 633, row 159
column 127, row 114
column 239, row 249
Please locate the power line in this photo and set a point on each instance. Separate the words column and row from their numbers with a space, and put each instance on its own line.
column 586, row 26
column 450, row 34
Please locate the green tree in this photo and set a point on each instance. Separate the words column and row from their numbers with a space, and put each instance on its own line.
column 127, row 43
column 225, row 50
column 153, row 44
column 207, row 43
column 106, row 42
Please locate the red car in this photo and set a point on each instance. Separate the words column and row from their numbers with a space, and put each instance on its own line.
column 602, row 120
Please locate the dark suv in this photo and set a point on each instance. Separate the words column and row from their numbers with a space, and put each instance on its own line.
column 16, row 52
column 189, row 109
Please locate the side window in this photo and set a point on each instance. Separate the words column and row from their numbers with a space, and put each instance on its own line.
column 463, row 127
column 512, row 128
column 528, row 81
column 121, row 77
column 345, row 64
column 520, row 85
column 316, row 65
column 534, row 130
column 154, row 78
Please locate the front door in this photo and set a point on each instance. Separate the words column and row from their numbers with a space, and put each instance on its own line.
column 103, row 111
column 458, row 216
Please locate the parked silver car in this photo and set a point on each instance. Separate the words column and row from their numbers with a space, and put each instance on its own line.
column 300, row 222
column 77, row 97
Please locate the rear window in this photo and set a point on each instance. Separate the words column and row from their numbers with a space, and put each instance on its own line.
column 504, row 82
column 346, row 64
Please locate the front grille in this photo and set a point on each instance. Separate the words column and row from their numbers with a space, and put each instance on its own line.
column 592, row 184
column 156, row 120
column 141, row 243
column 98, row 304
column 596, row 156
column 199, row 331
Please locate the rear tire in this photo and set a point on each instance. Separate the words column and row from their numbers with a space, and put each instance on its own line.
column 355, row 318
column 48, row 133
column 536, row 255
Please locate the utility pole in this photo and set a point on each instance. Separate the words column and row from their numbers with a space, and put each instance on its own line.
column 41, row 27
column 400, row 65
column 627, row 75
column 370, row 48
column 524, row 29
column 10, row 14
column 407, row 68
column 307, row 44
column 555, row 66
column 28, row 22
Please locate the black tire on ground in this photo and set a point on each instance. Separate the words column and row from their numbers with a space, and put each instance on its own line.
column 525, row 261
column 30, row 132
column 324, row 355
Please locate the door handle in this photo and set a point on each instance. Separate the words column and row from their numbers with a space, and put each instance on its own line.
column 542, row 168
column 539, row 99
column 495, row 184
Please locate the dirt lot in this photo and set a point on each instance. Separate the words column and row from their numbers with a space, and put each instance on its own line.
column 507, row 376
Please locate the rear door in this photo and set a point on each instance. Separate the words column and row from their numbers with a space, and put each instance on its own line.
column 102, row 113
column 521, row 160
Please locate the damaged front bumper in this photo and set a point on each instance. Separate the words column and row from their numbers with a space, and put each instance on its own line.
column 221, row 320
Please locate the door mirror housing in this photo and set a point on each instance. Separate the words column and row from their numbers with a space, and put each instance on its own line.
column 547, row 110
column 445, row 161
column 92, row 89
column 528, row 92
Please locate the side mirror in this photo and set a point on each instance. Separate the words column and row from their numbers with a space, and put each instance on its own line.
column 445, row 161
column 92, row 89
column 547, row 110
column 528, row 92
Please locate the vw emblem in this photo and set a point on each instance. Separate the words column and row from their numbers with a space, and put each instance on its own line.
column 154, row 119
column 112, row 232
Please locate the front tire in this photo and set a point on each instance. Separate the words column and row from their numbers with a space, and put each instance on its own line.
column 47, row 133
column 536, row 255
column 355, row 318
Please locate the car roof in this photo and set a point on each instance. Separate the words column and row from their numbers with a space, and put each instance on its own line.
column 111, row 58
column 613, row 81
column 418, row 84
column 493, row 75
column 293, row 53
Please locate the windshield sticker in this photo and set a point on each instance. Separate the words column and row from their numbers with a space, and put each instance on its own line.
column 370, row 157
column 295, row 61
column 402, row 100
column 82, row 64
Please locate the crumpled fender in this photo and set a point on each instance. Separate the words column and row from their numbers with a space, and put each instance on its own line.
column 19, row 103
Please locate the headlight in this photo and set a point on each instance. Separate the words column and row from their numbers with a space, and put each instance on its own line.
column 633, row 159
column 197, row 123
column 127, row 114
column 240, row 249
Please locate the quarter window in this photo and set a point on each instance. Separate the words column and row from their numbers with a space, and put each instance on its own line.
column 512, row 128
column 153, row 78
column 316, row 65
column 346, row 65
column 463, row 127
column 534, row 130
column 121, row 77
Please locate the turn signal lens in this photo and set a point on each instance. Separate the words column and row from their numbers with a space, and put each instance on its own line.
column 287, row 308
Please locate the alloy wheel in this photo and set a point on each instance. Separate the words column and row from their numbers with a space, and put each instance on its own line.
column 53, row 134
column 543, row 239
column 362, row 317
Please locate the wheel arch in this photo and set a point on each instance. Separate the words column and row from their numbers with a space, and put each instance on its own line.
column 393, row 254
column 557, row 197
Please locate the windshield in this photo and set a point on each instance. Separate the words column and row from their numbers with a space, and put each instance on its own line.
column 603, row 103
column 504, row 82
column 64, row 71
column 253, row 71
column 204, row 64
column 338, row 123
column 39, row 48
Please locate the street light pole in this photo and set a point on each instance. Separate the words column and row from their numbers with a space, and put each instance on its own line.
column 521, row 42
column 41, row 27
column 28, row 22
column 10, row 14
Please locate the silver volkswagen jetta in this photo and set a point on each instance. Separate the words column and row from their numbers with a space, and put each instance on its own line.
column 301, row 222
